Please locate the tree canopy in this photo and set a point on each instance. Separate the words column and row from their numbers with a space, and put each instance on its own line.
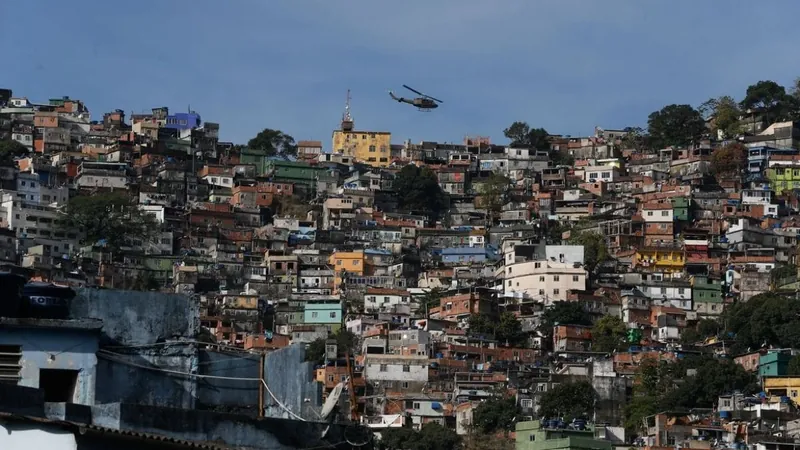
column 729, row 160
column 608, row 334
column 595, row 249
column 273, row 143
column 507, row 329
column 345, row 342
column 109, row 218
column 572, row 313
column 568, row 400
column 418, row 189
column 10, row 149
column 635, row 138
column 432, row 436
column 769, row 99
column 765, row 320
column 724, row 113
column 493, row 194
column 675, row 125
column 522, row 135
column 495, row 415
column 692, row 382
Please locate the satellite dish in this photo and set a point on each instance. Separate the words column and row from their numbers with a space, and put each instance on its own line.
column 332, row 400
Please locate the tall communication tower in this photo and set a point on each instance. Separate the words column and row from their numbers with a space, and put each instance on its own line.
column 347, row 119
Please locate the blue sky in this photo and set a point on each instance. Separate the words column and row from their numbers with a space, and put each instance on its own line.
column 565, row 65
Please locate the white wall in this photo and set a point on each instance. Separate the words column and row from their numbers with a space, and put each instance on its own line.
column 22, row 437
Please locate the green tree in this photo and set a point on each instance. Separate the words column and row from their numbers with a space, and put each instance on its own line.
column 608, row 334
column 9, row 149
column 493, row 194
column 111, row 217
column 346, row 342
column 571, row 313
column 507, row 329
column 794, row 366
column 765, row 320
column 432, row 298
column 397, row 438
column 769, row 99
column 693, row 382
column 568, row 401
column 496, row 414
column 478, row 441
column 704, row 328
column 635, row 138
column 432, row 436
column 675, row 125
column 418, row 190
column 729, row 160
column 595, row 249
column 725, row 112
column 522, row 135
column 273, row 143
column 561, row 158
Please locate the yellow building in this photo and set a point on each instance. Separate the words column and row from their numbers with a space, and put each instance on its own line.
column 370, row 147
column 661, row 258
column 350, row 262
column 783, row 386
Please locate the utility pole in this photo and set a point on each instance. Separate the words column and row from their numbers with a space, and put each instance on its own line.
column 261, row 381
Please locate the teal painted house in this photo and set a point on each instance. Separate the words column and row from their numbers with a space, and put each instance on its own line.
column 323, row 312
column 774, row 364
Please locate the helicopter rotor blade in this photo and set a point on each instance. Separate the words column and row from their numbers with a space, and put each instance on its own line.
column 413, row 90
column 434, row 99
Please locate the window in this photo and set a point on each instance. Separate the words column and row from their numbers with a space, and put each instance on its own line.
column 541, row 279
column 664, row 213
column 556, row 291
column 575, row 278
column 404, row 384
column 537, row 265
column 406, row 368
column 314, row 314
column 383, row 368
column 10, row 367
column 58, row 384
column 372, row 149
column 649, row 213
column 333, row 314
column 556, row 278
column 526, row 403
column 416, row 405
column 541, row 292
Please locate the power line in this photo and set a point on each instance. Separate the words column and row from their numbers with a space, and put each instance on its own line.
column 117, row 358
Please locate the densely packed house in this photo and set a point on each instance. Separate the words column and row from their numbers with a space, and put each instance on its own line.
column 435, row 274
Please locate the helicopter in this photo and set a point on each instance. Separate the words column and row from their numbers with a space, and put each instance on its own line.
column 423, row 102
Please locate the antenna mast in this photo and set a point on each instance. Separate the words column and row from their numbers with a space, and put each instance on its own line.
column 347, row 119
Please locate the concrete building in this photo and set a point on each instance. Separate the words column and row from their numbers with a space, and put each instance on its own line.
column 551, row 435
column 544, row 281
column 56, row 356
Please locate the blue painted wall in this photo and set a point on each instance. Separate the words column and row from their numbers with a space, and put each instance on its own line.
column 56, row 348
column 291, row 380
column 136, row 318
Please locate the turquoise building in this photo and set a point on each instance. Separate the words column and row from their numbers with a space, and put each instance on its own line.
column 774, row 364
